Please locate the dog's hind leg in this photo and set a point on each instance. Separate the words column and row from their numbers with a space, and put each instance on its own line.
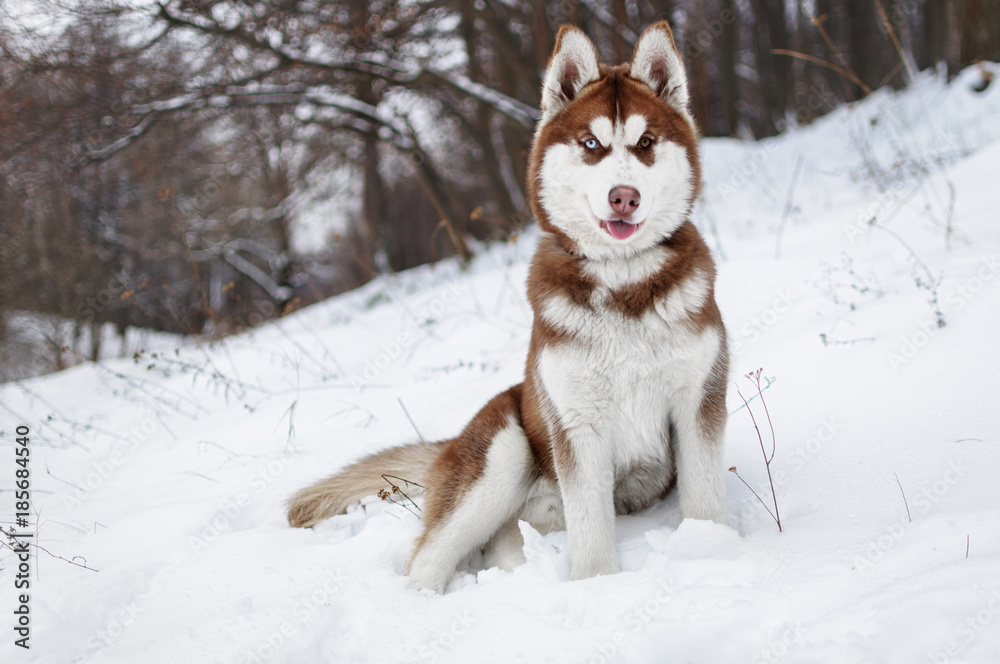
column 479, row 483
column 543, row 510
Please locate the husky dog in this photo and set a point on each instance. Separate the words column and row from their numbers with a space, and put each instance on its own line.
column 625, row 385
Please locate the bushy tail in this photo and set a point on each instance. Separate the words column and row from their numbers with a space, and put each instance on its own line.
column 332, row 495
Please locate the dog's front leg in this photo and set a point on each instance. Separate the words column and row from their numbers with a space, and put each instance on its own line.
column 587, row 482
column 698, row 450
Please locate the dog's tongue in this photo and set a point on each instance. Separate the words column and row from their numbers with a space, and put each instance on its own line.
column 620, row 229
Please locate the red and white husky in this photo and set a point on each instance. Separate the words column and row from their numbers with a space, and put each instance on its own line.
column 625, row 385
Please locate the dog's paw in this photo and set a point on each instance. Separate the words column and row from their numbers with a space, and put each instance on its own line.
column 593, row 564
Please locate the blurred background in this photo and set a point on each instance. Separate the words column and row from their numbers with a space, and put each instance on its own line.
column 198, row 167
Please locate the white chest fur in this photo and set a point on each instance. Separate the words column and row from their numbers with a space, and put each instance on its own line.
column 623, row 376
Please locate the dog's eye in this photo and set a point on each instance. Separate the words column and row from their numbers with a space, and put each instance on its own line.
column 645, row 142
column 591, row 144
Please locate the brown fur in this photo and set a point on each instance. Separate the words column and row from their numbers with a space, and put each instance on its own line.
column 462, row 459
column 450, row 468
column 614, row 95
column 364, row 478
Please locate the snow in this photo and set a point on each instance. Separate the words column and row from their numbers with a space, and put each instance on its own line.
column 168, row 474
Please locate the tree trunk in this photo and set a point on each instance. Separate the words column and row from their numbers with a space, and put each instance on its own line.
column 491, row 160
column 621, row 48
column 377, row 229
column 436, row 190
column 770, row 31
column 980, row 31
column 863, row 41
column 697, row 69
column 777, row 30
column 376, row 233
column 727, row 54
column 663, row 9
column 95, row 341
column 540, row 28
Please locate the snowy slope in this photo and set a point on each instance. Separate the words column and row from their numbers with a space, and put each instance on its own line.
column 167, row 474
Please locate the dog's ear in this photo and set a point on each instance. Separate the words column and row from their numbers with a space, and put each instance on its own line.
column 573, row 65
column 657, row 63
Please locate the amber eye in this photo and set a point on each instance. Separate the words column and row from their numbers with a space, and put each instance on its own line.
column 645, row 142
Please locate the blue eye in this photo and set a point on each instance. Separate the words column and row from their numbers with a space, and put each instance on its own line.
column 591, row 144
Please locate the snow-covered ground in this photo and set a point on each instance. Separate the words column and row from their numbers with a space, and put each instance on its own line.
column 166, row 476
column 31, row 341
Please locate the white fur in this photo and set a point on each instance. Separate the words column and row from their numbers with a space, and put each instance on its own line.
column 635, row 127
column 496, row 497
column 575, row 194
column 603, row 130
column 656, row 51
column 576, row 58
column 616, row 388
column 687, row 298
column 625, row 391
column 543, row 510
column 615, row 273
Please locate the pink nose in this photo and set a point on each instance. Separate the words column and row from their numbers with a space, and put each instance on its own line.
column 624, row 201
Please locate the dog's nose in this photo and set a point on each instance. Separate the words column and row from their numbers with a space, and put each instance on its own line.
column 624, row 201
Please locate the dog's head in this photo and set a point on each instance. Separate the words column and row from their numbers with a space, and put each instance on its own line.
column 614, row 165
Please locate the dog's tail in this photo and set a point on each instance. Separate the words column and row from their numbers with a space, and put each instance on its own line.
column 405, row 465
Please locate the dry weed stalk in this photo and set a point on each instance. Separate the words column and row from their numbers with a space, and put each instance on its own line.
column 754, row 376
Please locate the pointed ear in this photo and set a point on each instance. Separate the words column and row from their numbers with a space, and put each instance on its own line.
column 573, row 65
column 657, row 63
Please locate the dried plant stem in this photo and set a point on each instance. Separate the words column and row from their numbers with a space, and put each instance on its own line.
column 849, row 75
column 396, row 489
column 903, row 62
column 905, row 504
column 11, row 539
column 767, row 459
column 892, row 73
column 770, row 382
column 734, row 472
column 845, row 66
column 788, row 206
column 412, row 423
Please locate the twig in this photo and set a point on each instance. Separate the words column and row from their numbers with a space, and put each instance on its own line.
column 967, row 546
column 767, row 461
column 291, row 425
column 419, row 435
column 931, row 284
column 403, row 479
column 770, row 382
column 385, row 495
column 948, row 228
column 818, row 24
column 907, row 505
column 195, row 473
column 842, row 342
column 892, row 73
column 733, row 471
column 71, row 561
column 903, row 61
column 849, row 75
column 43, row 423
column 788, row 206
column 760, row 393
column 276, row 324
column 58, row 416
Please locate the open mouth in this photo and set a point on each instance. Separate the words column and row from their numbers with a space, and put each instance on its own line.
column 619, row 229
